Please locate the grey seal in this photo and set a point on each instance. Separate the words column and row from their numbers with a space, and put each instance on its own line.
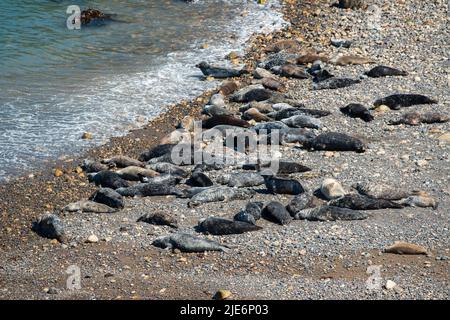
column 220, row 226
column 397, row 101
column 187, row 243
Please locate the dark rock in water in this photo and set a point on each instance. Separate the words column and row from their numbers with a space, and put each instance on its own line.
column 339, row 43
column 159, row 218
column 199, row 179
column 187, row 243
column 156, row 152
column 108, row 197
column 356, row 110
column 300, row 202
column 360, row 202
column 108, row 179
column 49, row 226
column 277, row 213
column 330, row 213
column 91, row 166
column 283, row 186
column 397, row 101
column 219, row 226
column 334, row 141
column 383, row 71
column 219, row 72
column 245, row 217
column 92, row 16
column 335, row 83
column 228, row 120
column 415, row 118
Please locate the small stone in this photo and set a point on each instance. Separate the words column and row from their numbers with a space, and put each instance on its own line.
column 329, row 154
column 222, row 295
column 390, row 285
column 87, row 136
column 204, row 46
column 58, row 172
column 52, row 290
column 92, row 239
column 422, row 163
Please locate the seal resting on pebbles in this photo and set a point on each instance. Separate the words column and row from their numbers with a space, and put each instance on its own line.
column 397, row 101
column 219, row 72
column 108, row 197
column 332, row 189
column 123, row 162
column 360, row 202
column 241, row 180
column 92, row 166
column 294, row 111
column 216, row 111
column 108, row 179
column 88, row 206
column 421, row 200
column 156, row 152
column 220, row 194
column 220, row 226
column 49, row 226
column 224, row 120
column 283, row 186
column 272, row 84
column 251, row 213
column 276, row 212
column 350, row 60
column 155, row 188
column 335, row 83
column 168, row 168
column 292, row 71
column 254, row 114
column 330, row 213
column 303, row 121
column 400, row 247
column 334, row 141
column 187, row 243
column 199, row 179
column 251, row 93
column 159, row 218
column 133, row 173
column 415, row 118
column 383, row 71
column 381, row 191
column 356, row 110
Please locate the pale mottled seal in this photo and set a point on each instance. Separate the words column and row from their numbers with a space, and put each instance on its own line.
column 187, row 243
column 283, row 186
column 272, row 84
column 269, row 126
column 219, row 226
column 168, row 168
column 415, row 118
column 349, row 60
column 212, row 110
column 159, row 218
column 294, row 135
column 242, row 179
column 294, row 111
column 251, row 213
column 219, row 72
column 292, row 71
column 276, row 212
column 381, row 191
column 228, row 87
column 49, row 226
column 300, row 202
column 420, row 200
column 108, row 179
column 108, row 197
column 254, row 114
column 330, row 213
column 383, row 71
column 220, row 194
column 360, row 202
column 397, row 101
column 133, row 173
column 303, row 121
column 334, row 141
column 152, row 188
column 88, row 206
column 356, row 110
column 284, row 167
column 251, row 93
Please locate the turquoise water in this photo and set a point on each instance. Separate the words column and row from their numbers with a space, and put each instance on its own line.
column 57, row 83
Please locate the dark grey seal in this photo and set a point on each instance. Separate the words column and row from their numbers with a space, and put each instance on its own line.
column 330, row 213
column 219, row 72
column 397, row 101
column 356, row 110
column 383, row 71
column 334, row 141
column 276, row 212
column 159, row 218
column 283, row 186
column 108, row 179
column 199, row 179
column 49, row 226
column 335, row 83
column 361, row 202
column 108, row 197
column 220, row 226
column 156, row 152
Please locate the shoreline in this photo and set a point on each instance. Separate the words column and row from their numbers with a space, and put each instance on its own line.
column 301, row 261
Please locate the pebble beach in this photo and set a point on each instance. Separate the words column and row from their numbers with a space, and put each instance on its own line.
column 303, row 259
